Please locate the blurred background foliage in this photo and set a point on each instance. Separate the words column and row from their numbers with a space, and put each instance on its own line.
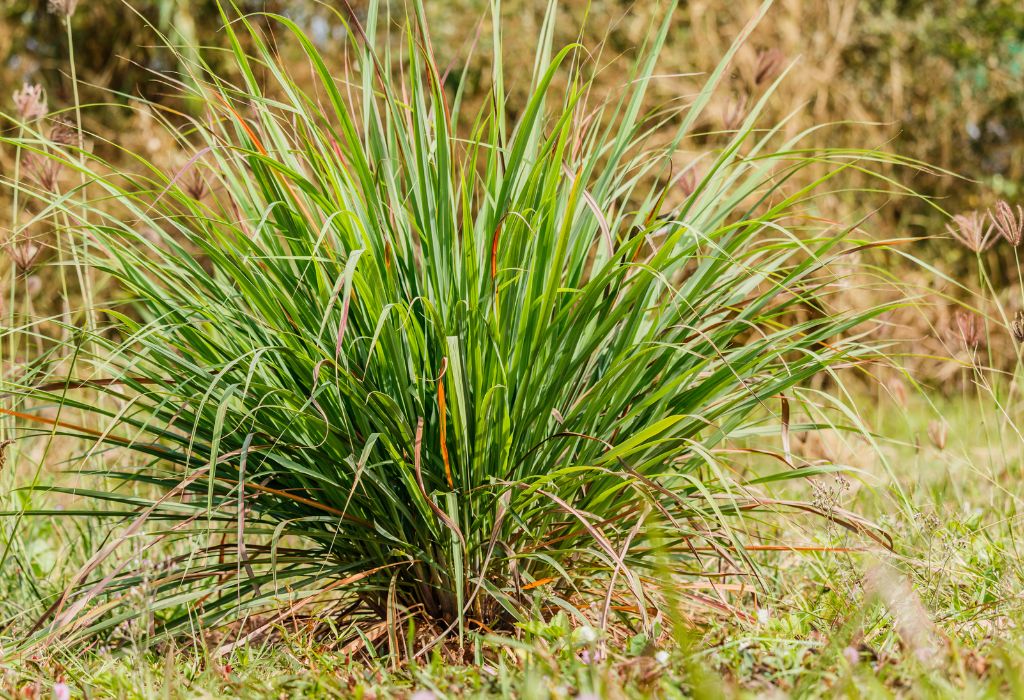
column 942, row 79
column 937, row 80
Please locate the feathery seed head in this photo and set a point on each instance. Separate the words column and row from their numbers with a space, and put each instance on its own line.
column 62, row 133
column 44, row 170
column 769, row 65
column 688, row 182
column 194, row 186
column 30, row 102
column 734, row 113
column 970, row 230
column 1017, row 327
column 4, row 444
column 970, row 328
column 24, row 254
column 1008, row 223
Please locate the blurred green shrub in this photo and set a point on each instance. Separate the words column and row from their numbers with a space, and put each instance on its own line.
column 950, row 73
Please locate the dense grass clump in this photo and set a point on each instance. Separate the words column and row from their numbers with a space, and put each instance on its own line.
column 384, row 356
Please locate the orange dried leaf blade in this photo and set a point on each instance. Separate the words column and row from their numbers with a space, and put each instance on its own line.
column 494, row 250
column 443, row 419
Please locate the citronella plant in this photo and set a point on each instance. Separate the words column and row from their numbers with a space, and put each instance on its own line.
column 385, row 360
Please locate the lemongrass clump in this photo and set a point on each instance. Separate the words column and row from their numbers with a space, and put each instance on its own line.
column 431, row 363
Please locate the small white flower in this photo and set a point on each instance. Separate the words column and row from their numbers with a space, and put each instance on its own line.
column 763, row 615
column 661, row 657
column 61, row 691
column 586, row 634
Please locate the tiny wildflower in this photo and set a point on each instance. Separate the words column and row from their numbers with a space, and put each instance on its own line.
column 763, row 615
column 661, row 657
